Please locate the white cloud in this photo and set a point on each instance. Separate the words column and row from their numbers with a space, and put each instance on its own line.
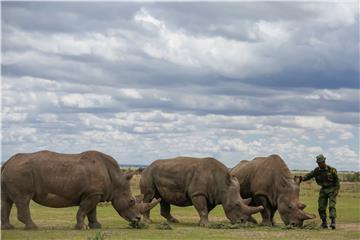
column 48, row 117
column 233, row 145
column 144, row 17
column 229, row 57
column 85, row 100
column 334, row 14
column 346, row 135
column 15, row 114
column 107, row 46
column 338, row 94
column 340, row 155
column 19, row 135
column 277, row 32
column 131, row 93
column 318, row 122
column 143, row 136
column 151, row 84
column 315, row 150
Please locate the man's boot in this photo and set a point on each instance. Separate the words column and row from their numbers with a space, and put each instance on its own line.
column 324, row 223
column 333, row 223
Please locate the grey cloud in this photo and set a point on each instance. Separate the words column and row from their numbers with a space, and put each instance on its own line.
column 75, row 74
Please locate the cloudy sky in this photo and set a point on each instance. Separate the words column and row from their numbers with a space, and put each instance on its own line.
column 143, row 81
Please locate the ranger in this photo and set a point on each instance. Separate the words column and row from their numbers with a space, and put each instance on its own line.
column 327, row 178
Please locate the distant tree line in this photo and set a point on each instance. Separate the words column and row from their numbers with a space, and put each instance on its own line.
column 343, row 176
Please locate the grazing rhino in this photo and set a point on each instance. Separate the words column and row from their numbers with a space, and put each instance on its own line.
column 202, row 182
column 268, row 181
column 63, row 180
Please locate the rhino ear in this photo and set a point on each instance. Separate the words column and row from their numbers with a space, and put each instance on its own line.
column 139, row 198
column 234, row 181
column 297, row 180
column 129, row 175
column 247, row 201
column 301, row 205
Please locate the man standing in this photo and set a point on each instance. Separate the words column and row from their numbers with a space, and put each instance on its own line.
column 327, row 178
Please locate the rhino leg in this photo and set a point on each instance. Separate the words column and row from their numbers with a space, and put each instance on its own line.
column 272, row 217
column 266, row 213
column 200, row 204
column 86, row 206
column 93, row 222
column 23, row 212
column 165, row 209
column 6, row 205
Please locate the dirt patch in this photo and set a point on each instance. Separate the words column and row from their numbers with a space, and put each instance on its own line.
column 348, row 226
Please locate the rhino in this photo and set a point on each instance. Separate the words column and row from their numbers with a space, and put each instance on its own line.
column 63, row 180
column 268, row 181
column 202, row 182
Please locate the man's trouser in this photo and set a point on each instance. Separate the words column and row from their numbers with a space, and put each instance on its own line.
column 327, row 193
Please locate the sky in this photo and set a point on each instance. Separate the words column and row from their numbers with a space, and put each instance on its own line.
column 146, row 81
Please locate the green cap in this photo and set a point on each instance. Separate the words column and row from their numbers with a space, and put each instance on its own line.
column 320, row 158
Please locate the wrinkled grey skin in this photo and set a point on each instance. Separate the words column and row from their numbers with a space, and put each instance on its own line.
column 268, row 181
column 202, row 182
column 63, row 180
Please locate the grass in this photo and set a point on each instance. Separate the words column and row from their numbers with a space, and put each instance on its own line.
column 164, row 226
column 58, row 223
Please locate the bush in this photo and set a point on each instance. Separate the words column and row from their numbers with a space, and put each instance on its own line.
column 138, row 225
column 98, row 236
column 164, row 226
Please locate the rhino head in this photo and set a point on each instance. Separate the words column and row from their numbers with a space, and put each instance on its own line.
column 289, row 207
column 236, row 209
column 129, row 207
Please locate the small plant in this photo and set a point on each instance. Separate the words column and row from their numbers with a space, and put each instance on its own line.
column 138, row 225
column 164, row 226
column 98, row 236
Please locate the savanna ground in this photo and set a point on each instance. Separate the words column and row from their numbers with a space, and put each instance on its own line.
column 58, row 223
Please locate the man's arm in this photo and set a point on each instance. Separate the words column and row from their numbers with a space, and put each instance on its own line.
column 336, row 179
column 308, row 176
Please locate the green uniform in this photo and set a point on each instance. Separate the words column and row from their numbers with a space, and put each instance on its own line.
column 328, row 180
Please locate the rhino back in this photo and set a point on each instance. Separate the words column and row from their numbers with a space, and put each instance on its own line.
column 266, row 176
column 175, row 180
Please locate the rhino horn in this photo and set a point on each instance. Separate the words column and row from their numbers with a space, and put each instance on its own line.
column 301, row 205
column 247, row 201
column 254, row 210
column 306, row 216
column 144, row 207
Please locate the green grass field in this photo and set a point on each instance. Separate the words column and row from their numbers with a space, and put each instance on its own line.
column 58, row 223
